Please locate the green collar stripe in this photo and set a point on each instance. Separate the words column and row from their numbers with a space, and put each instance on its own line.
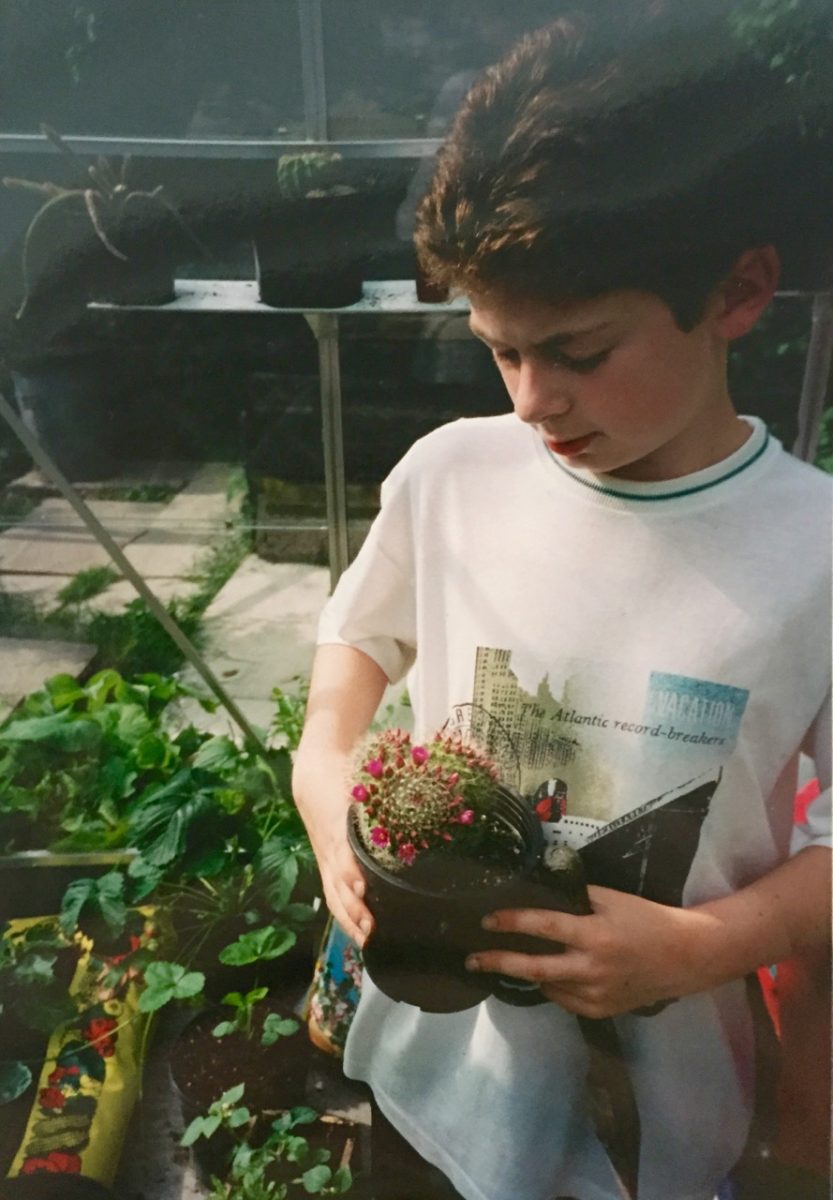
column 700, row 487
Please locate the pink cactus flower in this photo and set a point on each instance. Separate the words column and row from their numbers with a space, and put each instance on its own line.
column 375, row 767
column 419, row 754
column 466, row 816
column 407, row 853
column 379, row 836
column 360, row 793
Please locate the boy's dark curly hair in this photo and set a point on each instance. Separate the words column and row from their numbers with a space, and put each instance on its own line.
column 598, row 156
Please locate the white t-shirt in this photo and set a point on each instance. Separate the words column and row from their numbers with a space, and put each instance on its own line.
column 660, row 650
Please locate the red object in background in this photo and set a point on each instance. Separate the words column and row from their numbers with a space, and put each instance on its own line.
column 798, row 998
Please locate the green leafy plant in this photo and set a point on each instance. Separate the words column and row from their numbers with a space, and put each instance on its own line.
column 15, row 1079
column 258, row 945
column 95, row 904
column 165, row 982
column 85, row 585
column 244, row 1005
column 284, row 1165
column 73, row 757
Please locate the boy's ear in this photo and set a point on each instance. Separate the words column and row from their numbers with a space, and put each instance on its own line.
column 746, row 291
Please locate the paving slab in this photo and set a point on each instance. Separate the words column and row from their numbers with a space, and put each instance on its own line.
column 131, row 475
column 260, row 632
column 187, row 527
column 41, row 590
column 263, row 622
column 53, row 540
column 116, row 597
column 26, row 662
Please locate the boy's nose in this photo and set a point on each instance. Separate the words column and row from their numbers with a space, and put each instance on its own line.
column 540, row 392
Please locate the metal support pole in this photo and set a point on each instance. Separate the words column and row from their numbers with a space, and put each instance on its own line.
column 49, row 468
column 816, row 378
column 325, row 328
column 312, row 69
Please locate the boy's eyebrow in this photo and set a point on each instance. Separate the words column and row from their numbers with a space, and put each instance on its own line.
column 551, row 343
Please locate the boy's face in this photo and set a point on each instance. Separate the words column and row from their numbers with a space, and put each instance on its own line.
column 612, row 384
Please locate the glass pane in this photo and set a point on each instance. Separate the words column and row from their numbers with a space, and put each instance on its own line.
column 144, row 68
column 398, row 69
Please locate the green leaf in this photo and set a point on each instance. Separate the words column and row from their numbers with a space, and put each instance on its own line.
column 15, row 1078
column 60, row 730
column 278, row 865
column 133, row 724
column 301, row 1115
column 256, row 995
column 36, row 969
column 258, row 945
column 224, row 1029
column 238, row 1117
column 166, row 981
column 275, row 1026
column 296, row 1149
column 152, row 751
column 217, row 754
column 232, row 1096
column 316, row 1178
column 234, row 999
column 342, row 1181
column 63, row 691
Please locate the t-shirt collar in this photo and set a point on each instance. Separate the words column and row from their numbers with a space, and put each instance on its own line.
column 685, row 485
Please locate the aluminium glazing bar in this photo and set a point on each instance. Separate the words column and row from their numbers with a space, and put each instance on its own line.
column 209, row 148
column 312, row 69
column 816, row 378
column 325, row 328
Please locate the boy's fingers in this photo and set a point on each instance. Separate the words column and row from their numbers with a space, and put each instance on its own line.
column 540, row 922
column 536, row 968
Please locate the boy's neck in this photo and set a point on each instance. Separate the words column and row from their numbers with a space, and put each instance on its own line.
column 725, row 439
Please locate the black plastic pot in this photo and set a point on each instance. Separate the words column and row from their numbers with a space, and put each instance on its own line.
column 47, row 1186
column 275, row 1076
column 417, row 951
column 315, row 252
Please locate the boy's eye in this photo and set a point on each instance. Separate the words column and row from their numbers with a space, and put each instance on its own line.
column 582, row 365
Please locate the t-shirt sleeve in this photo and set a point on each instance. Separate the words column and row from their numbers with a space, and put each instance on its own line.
column 372, row 607
column 814, row 828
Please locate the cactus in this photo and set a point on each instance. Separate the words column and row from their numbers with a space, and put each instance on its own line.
column 412, row 798
column 313, row 173
column 109, row 194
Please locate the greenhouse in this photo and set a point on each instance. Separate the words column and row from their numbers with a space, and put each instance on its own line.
column 267, row 301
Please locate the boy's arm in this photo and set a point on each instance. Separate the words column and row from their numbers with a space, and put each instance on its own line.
column 632, row 952
column 345, row 690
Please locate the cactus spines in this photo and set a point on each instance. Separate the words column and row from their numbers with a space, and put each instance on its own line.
column 312, row 173
column 415, row 797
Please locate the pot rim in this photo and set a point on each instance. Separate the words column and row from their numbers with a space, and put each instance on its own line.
column 533, row 853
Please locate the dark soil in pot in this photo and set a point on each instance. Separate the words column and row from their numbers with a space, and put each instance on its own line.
column 428, row 917
column 203, row 1066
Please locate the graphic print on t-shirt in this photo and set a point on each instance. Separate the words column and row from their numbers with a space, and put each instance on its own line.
column 622, row 768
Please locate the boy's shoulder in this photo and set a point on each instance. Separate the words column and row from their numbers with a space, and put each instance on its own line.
column 474, row 440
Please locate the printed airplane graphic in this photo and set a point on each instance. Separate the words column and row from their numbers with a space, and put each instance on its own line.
column 649, row 851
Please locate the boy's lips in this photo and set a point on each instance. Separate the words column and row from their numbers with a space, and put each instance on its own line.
column 570, row 447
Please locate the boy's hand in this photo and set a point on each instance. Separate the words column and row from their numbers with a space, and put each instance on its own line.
column 340, row 875
column 627, row 954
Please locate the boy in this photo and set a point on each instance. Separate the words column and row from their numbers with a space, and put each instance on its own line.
column 635, row 580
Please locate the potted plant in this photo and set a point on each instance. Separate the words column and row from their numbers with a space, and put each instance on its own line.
column 441, row 842
column 124, row 237
column 283, row 1163
column 312, row 246
column 95, row 238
